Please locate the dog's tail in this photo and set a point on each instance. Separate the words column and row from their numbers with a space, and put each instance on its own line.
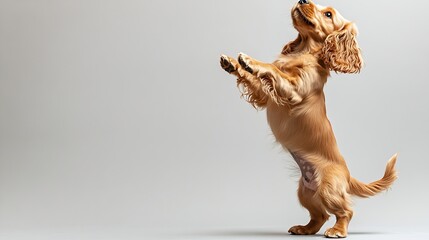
column 361, row 189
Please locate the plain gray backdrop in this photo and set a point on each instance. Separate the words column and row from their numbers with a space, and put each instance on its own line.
column 116, row 121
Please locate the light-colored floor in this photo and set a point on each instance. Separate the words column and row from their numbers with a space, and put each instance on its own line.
column 221, row 234
column 272, row 234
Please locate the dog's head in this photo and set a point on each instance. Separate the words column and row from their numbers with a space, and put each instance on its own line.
column 327, row 28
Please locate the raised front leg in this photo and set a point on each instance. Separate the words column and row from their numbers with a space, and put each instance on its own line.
column 280, row 86
column 250, row 86
column 262, row 81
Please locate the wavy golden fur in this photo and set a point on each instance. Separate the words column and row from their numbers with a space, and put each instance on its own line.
column 291, row 90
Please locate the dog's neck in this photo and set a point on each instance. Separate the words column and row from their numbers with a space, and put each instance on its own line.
column 309, row 45
column 307, row 171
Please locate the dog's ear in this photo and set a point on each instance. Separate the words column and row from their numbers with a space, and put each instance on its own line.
column 341, row 52
column 291, row 46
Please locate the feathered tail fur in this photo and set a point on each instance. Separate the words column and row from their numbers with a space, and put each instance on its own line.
column 361, row 189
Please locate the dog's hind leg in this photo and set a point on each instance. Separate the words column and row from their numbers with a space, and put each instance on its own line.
column 333, row 194
column 318, row 214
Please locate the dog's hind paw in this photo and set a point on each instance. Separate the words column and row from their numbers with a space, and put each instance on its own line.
column 335, row 233
column 302, row 230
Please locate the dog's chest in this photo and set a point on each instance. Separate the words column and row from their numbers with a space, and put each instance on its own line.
column 278, row 119
column 307, row 171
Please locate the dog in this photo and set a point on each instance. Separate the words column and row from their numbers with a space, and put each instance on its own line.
column 291, row 91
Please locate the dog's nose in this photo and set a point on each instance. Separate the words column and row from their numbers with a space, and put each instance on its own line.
column 303, row 2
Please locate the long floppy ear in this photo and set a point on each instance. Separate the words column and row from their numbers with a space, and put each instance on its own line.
column 341, row 52
column 291, row 46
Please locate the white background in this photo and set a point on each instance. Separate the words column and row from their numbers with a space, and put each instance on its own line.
column 116, row 121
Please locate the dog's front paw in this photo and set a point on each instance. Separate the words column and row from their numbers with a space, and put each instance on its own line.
column 302, row 230
column 245, row 62
column 226, row 64
column 335, row 233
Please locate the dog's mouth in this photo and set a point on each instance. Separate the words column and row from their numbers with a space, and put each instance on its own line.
column 303, row 18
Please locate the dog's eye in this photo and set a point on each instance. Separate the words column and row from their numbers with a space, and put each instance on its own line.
column 328, row 14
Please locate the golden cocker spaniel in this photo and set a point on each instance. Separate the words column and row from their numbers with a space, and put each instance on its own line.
column 291, row 90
